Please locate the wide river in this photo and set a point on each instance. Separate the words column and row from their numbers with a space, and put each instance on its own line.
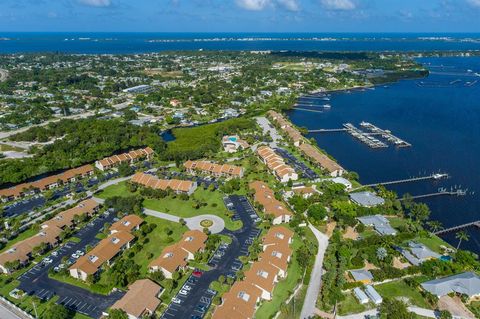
column 438, row 115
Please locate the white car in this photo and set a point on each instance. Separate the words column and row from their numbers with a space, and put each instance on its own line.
column 183, row 292
column 187, row 288
column 55, row 254
column 79, row 253
column 47, row 260
column 176, row 300
column 75, row 256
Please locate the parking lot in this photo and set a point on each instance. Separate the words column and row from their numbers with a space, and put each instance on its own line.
column 36, row 280
column 297, row 165
column 195, row 297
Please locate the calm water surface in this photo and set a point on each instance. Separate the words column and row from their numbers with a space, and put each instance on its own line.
column 439, row 115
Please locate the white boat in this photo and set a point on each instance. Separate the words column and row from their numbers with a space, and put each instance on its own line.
column 327, row 106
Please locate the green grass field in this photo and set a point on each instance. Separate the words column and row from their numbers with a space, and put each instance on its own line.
column 158, row 240
column 350, row 305
column 26, row 234
column 401, row 289
column 181, row 208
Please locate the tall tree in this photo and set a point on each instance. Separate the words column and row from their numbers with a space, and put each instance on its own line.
column 462, row 236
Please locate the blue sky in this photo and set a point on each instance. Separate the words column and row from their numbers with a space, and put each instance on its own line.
column 241, row 15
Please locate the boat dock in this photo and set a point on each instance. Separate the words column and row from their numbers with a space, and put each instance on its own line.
column 458, row 228
column 441, row 192
column 435, row 176
column 370, row 136
column 386, row 134
column 364, row 137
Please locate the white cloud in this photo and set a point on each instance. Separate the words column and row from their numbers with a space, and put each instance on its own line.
column 96, row 3
column 253, row 5
column 291, row 5
column 341, row 4
column 475, row 3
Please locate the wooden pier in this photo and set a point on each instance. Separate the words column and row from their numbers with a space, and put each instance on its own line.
column 435, row 176
column 458, row 228
column 371, row 137
column 458, row 192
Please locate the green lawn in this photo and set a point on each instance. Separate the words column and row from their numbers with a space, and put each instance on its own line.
column 119, row 189
column 181, row 208
column 158, row 240
column 184, row 209
column 284, row 288
column 350, row 305
column 96, row 288
column 433, row 243
column 401, row 289
column 475, row 308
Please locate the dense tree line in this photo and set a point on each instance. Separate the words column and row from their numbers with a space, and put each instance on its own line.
column 85, row 141
column 197, row 142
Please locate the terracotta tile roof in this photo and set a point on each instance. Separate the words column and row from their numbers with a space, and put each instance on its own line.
column 208, row 167
column 274, row 162
column 238, row 303
column 193, row 241
column 151, row 181
column 126, row 157
column 277, row 255
column 43, row 183
column 262, row 275
column 108, row 248
column 175, row 256
column 323, row 160
column 140, row 299
column 278, row 235
column 266, row 197
column 127, row 223
column 172, row 258
column 66, row 218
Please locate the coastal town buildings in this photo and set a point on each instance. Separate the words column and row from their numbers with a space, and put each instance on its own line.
column 141, row 299
column 264, row 195
column 178, row 186
column 217, row 170
column 130, row 158
column 46, row 183
column 49, row 235
column 276, row 165
column 175, row 257
column 260, row 280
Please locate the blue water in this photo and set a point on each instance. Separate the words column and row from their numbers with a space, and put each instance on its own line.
column 123, row 43
column 439, row 115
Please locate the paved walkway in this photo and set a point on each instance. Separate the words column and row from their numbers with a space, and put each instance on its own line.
column 313, row 289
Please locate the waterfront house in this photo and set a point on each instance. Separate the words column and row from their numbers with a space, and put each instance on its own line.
column 379, row 223
column 366, row 199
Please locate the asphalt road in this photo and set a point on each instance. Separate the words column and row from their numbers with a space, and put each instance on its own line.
column 37, row 282
column 7, row 314
column 313, row 289
column 241, row 240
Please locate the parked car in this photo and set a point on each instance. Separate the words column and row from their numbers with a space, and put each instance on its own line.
column 176, row 300
column 187, row 287
column 79, row 253
column 183, row 292
column 75, row 256
column 55, row 253
column 197, row 273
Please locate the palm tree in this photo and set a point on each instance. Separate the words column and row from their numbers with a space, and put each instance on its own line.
column 462, row 236
column 381, row 253
column 434, row 225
